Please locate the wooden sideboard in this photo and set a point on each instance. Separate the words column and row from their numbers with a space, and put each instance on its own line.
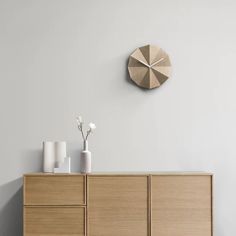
column 115, row 204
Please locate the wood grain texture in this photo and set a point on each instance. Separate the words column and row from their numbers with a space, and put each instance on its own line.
column 181, row 205
column 55, row 190
column 117, row 205
column 54, row 221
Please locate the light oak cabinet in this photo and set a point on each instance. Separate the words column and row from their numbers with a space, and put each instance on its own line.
column 157, row 204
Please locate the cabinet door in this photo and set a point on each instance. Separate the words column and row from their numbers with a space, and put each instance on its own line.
column 117, row 205
column 181, row 205
column 54, row 221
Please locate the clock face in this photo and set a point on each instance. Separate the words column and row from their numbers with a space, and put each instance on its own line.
column 149, row 66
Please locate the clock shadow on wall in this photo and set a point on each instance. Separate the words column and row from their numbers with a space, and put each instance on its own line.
column 148, row 67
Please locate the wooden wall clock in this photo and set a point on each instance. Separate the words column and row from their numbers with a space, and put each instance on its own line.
column 149, row 66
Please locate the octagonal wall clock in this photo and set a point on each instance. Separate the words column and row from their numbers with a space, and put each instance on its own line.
column 149, row 66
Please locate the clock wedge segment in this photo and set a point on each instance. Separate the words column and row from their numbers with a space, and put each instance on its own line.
column 137, row 54
column 165, row 70
column 149, row 80
column 145, row 50
column 160, row 77
column 154, row 50
column 145, row 81
column 137, row 74
column 133, row 62
column 161, row 59
column 153, row 80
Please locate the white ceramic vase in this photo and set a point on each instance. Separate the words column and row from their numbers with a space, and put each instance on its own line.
column 85, row 159
column 48, row 156
column 54, row 154
column 60, row 153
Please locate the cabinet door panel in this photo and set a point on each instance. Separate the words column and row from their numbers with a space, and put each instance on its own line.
column 181, row 205
column 117, row 206
column 54, row 190
column 54, row 221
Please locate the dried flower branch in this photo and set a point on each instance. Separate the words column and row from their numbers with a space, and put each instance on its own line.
column 80, row 123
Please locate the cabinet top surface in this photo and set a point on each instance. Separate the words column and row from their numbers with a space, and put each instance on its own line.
column 123, row 173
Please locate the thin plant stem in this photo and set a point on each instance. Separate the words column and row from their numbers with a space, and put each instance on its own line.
column 88, row 132
column 82, row 132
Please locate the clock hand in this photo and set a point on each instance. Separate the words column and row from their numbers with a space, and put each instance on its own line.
column 157, row 62
column 144, row 63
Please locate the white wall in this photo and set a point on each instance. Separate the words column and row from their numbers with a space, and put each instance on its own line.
column 61, row 58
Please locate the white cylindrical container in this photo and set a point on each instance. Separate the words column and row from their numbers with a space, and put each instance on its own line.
column 48, row 156
column 60, row 153
column 85, row 159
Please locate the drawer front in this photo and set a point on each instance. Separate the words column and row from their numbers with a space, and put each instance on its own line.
column 54, row 221
column 54, row 190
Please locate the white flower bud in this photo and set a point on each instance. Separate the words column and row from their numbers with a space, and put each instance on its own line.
column 92, row 126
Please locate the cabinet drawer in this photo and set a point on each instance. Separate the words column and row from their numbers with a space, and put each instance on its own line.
column 54, row 221
column 54, row 190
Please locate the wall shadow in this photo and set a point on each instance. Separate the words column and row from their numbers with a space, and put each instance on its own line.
column 11, row 208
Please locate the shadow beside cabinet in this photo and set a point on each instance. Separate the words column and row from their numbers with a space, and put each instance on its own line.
column 160, row 204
